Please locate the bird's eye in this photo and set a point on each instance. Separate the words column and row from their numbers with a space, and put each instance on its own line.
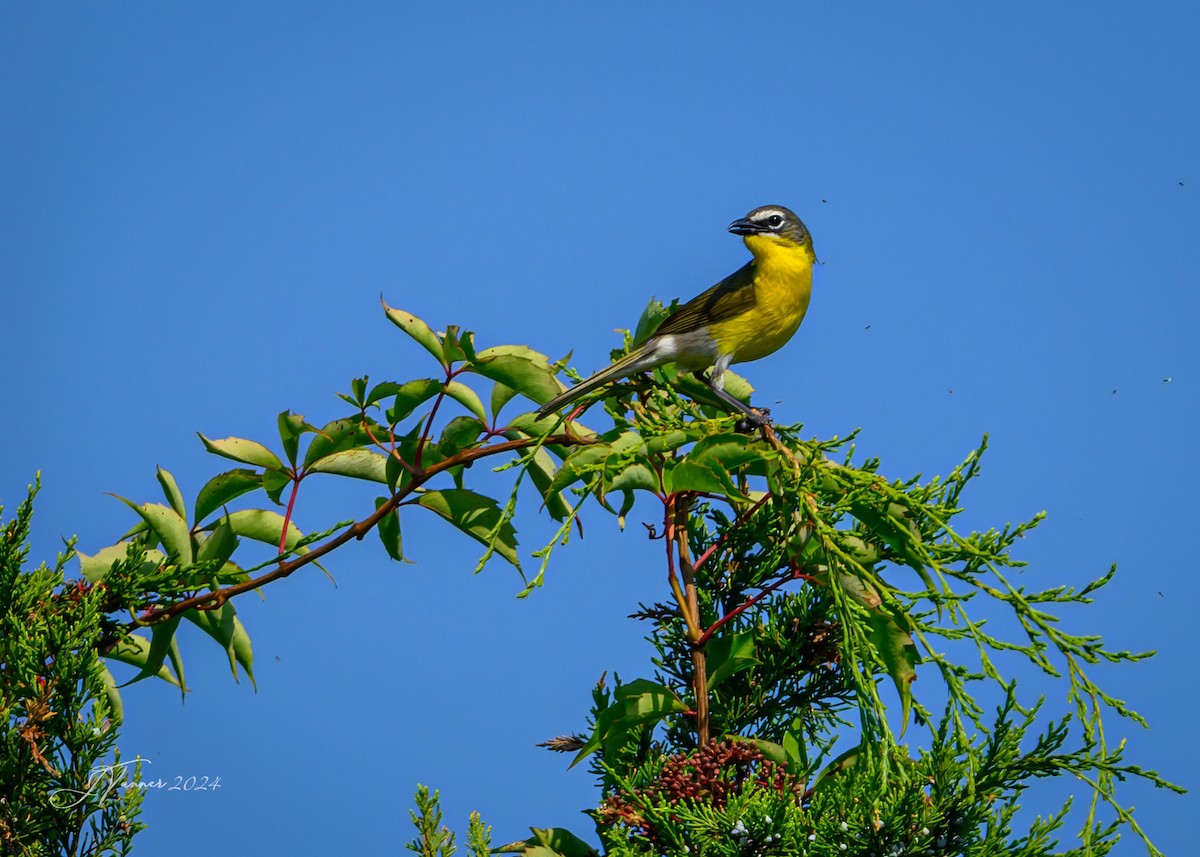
column 775, row 221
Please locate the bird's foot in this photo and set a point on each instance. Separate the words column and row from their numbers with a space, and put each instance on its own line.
column 756, row 418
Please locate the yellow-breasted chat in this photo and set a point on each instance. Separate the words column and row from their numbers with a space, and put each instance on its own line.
column 749, row 314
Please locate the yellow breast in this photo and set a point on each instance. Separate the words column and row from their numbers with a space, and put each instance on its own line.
column 782, row 287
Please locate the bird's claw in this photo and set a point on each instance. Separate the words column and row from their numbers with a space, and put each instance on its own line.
column 757, row 418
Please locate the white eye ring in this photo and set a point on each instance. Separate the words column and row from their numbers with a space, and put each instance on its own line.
column 775, row 221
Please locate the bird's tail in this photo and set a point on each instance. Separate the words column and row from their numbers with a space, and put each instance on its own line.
column 627, row 365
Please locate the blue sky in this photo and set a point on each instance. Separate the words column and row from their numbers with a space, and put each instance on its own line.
column 200, row 205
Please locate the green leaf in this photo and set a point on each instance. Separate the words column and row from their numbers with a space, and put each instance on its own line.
column 410, row 395
column 264, row 526
column 900, row 657
column 223, row 625
column 841, row 764
column 727, row 452
column 116, row 710
column 582, row 461
column 245, row 451
column 477, row 516
column 358, row 463
column 523, row 369
column 218, row 546
column 541, row 470
column 459, row 434
column 670, row 441
column 550, row 842
column 728, row 655
column 170, row 528
column 135, row 651
column 275, row 483
column 456, row 347
column 652, row 316
column 337, row 436
column 291, row 426
column 95, row 567
column 172, row 493
column 635, row 475
column 417, row 329
column 381, row 391
column 389, row 531
column 222, row 488
column 468, row 398
column 771, row 751
column 687, row 475
column 358, row 390
column 162, row 640
column 896, row 534
column 636, row 706
column 502, row 394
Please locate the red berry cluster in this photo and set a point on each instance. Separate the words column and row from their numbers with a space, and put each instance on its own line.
column 709, row 775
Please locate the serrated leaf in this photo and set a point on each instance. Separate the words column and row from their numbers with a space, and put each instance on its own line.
column 172, row 493
column 727, row 452
column 222, row 488
column 245, row 451
column 900, row 657
column 135, row 650
column 358, row 463
column 95, row 567
column 264, row 526
column 730, row 654
column 381, row 391
column 411, row 395
column 634, row 476
column 291, row 426
column 417, row 329
column 162, row 639
column 389, row 531
column 218, row 546
column 459, row 434
column 688, row 475
column 170, row 528
column 223, row 625
column 477, row 516
column 452, row 347
column 275, row 483
column 584, row 460
column 502, row 394
column 527, row 371
column 550, row 842
column 636, row 706
column 337, row 436
column 468, row 398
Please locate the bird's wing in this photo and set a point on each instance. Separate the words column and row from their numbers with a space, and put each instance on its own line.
column 732, row 296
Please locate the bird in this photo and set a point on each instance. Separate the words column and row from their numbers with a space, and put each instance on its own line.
column 746, row 316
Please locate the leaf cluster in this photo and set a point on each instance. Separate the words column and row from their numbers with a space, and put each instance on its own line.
column 804, row 595
column 63, row 787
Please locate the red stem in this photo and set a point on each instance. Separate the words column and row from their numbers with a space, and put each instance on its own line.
column 703, row 558
column 750, row 602
column 354, row 531
column 287, row 518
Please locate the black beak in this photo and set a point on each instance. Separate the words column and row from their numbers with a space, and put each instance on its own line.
column 746, row 226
